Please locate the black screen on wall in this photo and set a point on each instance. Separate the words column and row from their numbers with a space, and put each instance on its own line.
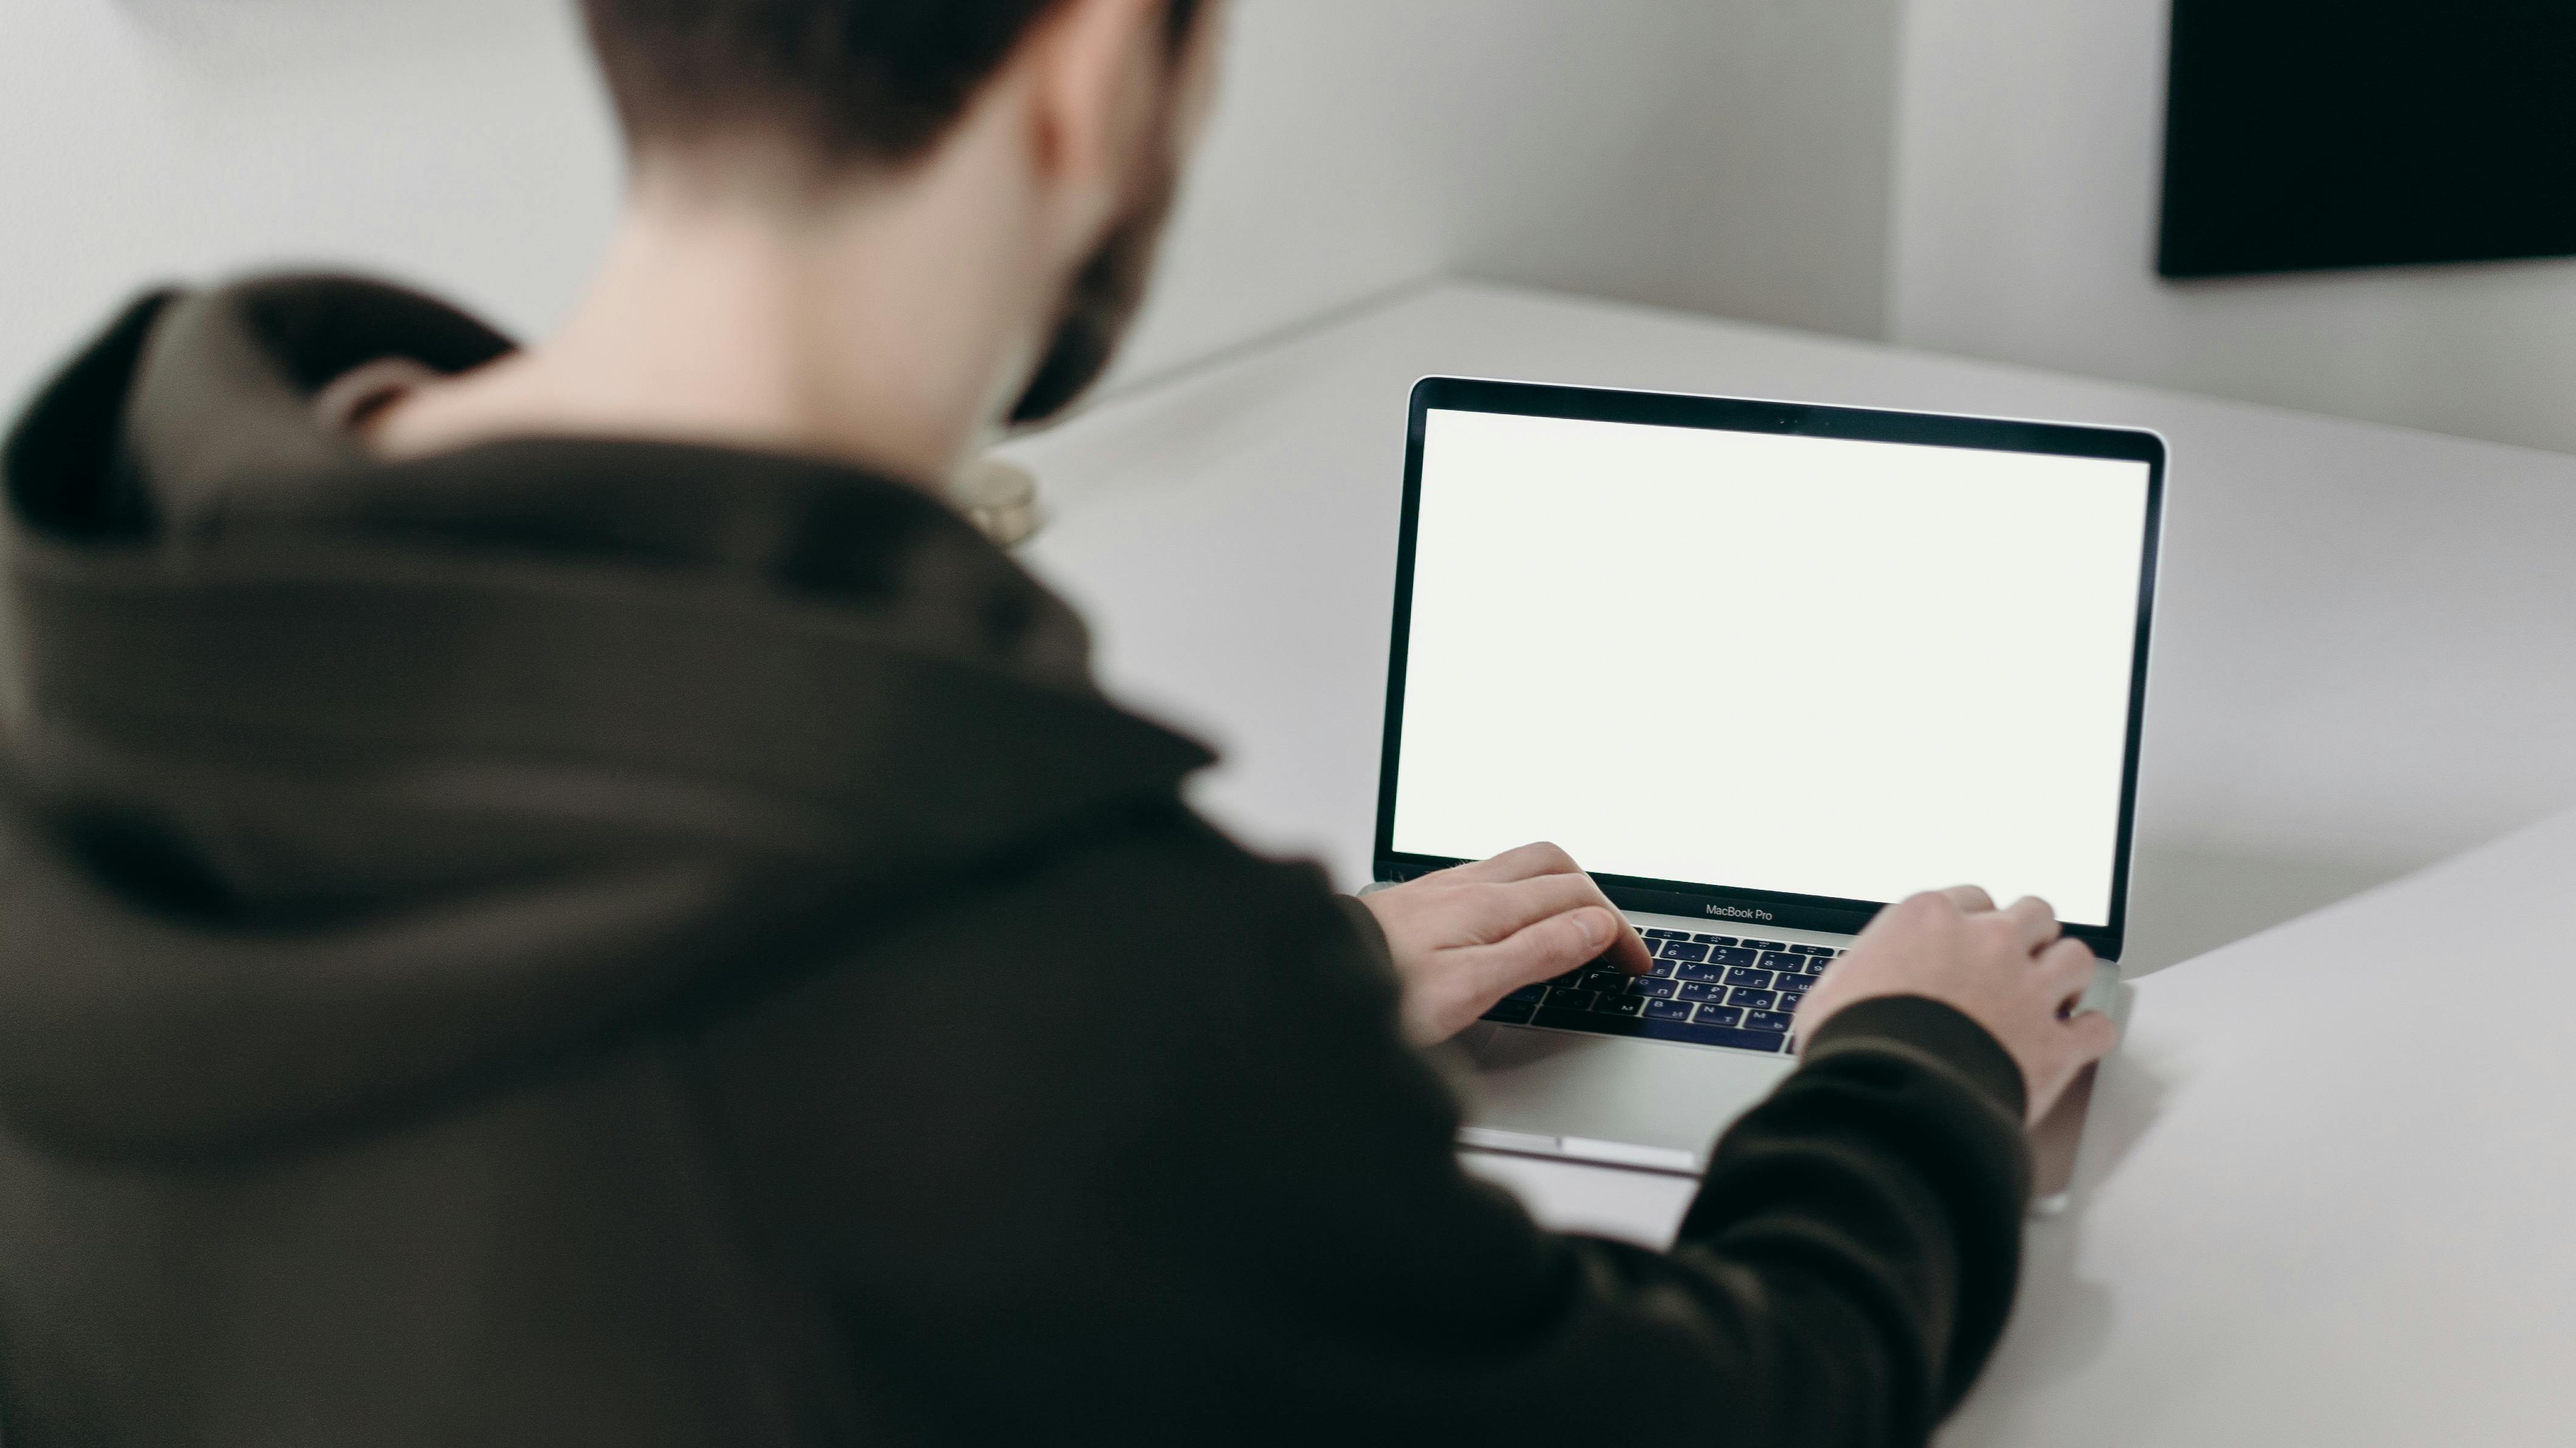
column 2310, row 134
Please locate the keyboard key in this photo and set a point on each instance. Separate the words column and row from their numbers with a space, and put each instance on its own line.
column 1512, row 1013
column 1789, row 1004
column 1703, row 991
column 1758, row 999
column 1698, row 972
column 1683, row 950
column 1669, row 1010
column 1714, row 939
column 1611, row 1005
column 1661, row 967
column 1812, row 949
column 1609, row 980
column 1532, row 994
column 1766, row 1021
column 1722, row 955
column 1747, row 975
column 1794, row 984
column 1782, row 960
column 1766, row 944
column 1720, row 1016
column 1740, row 1040
column 1569, row 1000
column 1651, row 987
column 1692, row 1032
column 1668, row 935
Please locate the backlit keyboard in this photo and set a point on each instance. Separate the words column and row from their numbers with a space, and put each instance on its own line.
column 1709, row 990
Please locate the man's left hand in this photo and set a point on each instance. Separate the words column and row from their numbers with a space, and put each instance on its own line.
column 1467, row 937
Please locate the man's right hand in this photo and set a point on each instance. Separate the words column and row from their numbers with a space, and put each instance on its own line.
column 2010, row 971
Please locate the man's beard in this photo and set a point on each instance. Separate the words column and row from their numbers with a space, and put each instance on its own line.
column 1099, row 307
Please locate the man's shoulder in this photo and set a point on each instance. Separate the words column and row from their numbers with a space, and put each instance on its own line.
column 1063, row 1033
column 1142, row 917
column 1163, row 858
column 1161, row 890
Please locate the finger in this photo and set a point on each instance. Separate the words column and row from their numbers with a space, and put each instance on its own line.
column 1628, row 952
column 1511, row 908
column 1520, row 864
column 2070, row 955
column 2095, row 1036
column 2068, row 967
column 1547, row 949
column 1970, row 899
column 2035, row 922
column 1506, row 908
column 1926, row 911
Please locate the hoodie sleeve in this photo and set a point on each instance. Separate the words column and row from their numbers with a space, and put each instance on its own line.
column 1841, row 1278
column 1364, row 924
column 1135, row 1145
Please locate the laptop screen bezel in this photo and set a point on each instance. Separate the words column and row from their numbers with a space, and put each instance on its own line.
column 1719, row 903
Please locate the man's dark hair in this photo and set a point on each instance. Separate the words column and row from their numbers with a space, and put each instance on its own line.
column 860, row 80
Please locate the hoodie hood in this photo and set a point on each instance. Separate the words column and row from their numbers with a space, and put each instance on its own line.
column 336, row 789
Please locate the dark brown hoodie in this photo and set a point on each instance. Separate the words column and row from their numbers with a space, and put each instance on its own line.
column 593, row 942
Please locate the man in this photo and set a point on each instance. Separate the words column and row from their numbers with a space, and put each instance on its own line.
column 561, row 897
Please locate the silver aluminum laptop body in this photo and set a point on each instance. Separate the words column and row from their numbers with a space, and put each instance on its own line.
column 1659, row 1106
column 1638, row 1092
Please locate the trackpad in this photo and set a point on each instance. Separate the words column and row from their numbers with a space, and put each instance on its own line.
column 1672, row 1100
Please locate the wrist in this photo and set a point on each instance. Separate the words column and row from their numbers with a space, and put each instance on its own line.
column 1370, row 929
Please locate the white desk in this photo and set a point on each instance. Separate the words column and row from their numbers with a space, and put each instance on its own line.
column 2366, row 660
column 2318, row 1206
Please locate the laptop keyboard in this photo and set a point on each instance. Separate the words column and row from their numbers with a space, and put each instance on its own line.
column 1709, row 990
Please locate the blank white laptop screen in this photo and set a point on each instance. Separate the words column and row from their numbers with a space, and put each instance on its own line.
column 1779, row 663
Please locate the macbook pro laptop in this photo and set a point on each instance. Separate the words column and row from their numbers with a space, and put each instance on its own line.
column 1762, row 669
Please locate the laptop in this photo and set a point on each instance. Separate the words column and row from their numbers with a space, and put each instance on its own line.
column 1762, row 668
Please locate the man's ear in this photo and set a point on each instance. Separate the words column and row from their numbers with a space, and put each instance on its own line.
column 1099, row 74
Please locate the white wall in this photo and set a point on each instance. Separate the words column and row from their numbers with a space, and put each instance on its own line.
column 149, row 139
column 1721, row 155
column 2029, row 172
column 1730, row 155
column 1754, row 158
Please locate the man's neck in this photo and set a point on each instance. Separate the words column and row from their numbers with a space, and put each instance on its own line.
column 877, row 325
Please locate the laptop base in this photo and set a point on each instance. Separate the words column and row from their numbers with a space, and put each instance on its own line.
column 1661, row 1106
